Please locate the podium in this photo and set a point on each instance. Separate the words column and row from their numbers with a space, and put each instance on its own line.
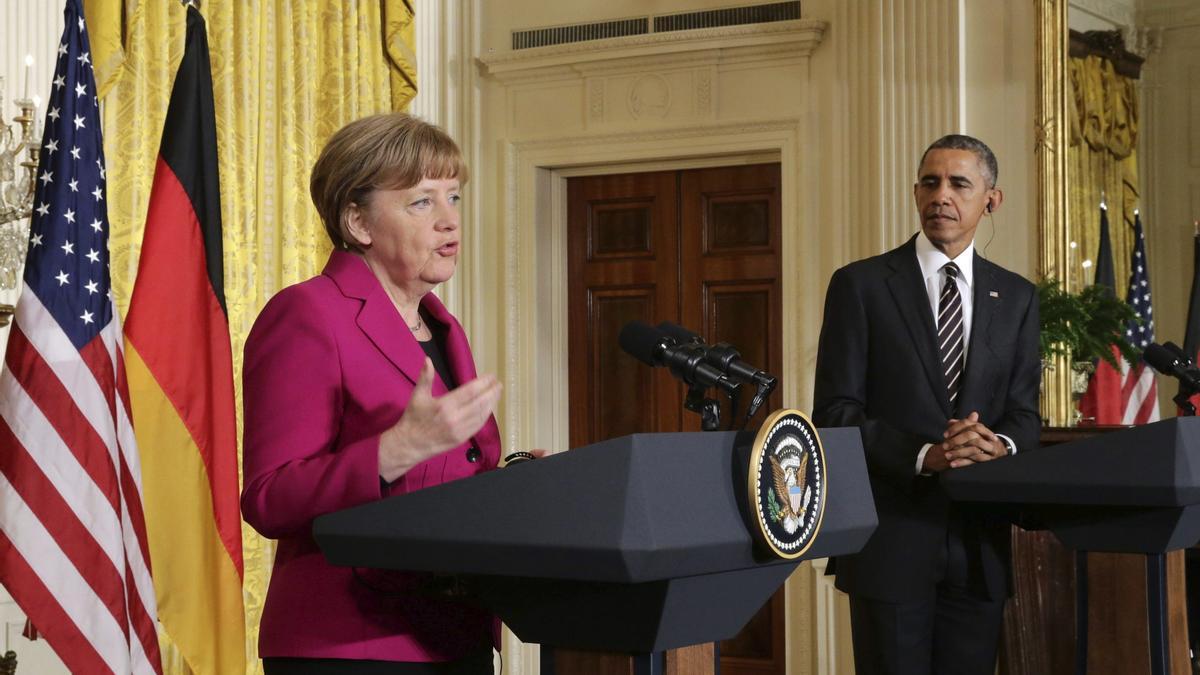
column 1130, row 491
column 631, row 546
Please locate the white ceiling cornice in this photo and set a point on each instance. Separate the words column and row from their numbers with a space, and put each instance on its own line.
column 798, row 37
column 1120, row 12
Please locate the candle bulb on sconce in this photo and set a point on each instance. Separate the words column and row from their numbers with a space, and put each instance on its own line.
column 28, row 72
column 1087, row 269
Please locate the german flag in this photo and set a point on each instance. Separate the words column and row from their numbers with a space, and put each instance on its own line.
column 180, row 372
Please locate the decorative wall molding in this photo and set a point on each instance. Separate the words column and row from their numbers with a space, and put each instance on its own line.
column 1054, row 230
column 533, row 236
column 655, row 136
column 596, row 99
column 1143, row 41
column 691, row 47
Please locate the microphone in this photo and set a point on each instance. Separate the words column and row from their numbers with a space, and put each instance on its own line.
column 1178, row 352
column 721, row 356
column 1164, row 361
column 655, row 348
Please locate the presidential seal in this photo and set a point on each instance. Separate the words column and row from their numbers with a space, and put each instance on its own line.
column 787, row 483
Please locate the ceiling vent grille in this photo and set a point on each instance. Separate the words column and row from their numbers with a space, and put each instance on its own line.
column 541, row 37
column 712, row 18
column 732, row 16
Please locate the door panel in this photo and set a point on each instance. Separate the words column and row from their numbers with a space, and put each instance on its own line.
column 623, row 259
column 699, row 248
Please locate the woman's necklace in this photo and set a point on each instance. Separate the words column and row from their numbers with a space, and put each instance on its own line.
column 418, row 325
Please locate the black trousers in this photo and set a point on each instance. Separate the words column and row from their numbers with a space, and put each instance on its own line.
column 478, row 662
column 954, row 630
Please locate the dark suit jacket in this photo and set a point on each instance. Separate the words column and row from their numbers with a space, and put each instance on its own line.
column 878, row 368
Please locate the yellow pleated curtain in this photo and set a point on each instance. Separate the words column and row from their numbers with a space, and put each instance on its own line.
column 1102, row 159
column 286, row 75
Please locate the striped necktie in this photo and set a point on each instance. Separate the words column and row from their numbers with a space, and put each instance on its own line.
column 950, row 333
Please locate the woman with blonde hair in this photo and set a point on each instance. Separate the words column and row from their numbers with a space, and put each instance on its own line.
column 359, row 384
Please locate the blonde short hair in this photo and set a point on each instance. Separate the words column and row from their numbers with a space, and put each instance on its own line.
column 388, row 151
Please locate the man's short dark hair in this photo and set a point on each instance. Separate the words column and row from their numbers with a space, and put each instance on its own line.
column 991, row 170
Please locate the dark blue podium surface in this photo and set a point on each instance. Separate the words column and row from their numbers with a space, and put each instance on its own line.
column 636, row 544
column 1135, row 490
column 1131, row 491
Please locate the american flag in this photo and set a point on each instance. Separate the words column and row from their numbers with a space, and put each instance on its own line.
column 1139, row 392
column 73, row 549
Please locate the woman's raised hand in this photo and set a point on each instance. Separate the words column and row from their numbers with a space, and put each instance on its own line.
column 430, row 426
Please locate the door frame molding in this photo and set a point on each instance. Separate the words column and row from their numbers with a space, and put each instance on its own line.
column 534, row 236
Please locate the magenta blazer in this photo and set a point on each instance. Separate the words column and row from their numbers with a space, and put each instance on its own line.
column 330, row 365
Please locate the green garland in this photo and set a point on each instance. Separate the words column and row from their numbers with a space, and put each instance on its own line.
column 1082, row 326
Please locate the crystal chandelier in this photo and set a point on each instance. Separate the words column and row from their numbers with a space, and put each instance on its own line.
column 18, row 164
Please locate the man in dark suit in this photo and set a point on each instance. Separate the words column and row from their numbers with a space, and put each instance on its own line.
column 932, row 351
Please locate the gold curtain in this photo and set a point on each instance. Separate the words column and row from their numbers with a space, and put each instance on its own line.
column 286, row 75
column 1102, row 161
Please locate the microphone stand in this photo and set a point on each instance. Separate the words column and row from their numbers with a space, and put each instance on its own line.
column 1183, row 400
column 708, row 408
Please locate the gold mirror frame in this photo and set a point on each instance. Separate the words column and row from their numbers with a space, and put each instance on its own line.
column 1054, row 235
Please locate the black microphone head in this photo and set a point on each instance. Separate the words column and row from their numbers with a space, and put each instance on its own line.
column 678, row 333
column 643, row 342
column 1161, row 359
column 1177, row 351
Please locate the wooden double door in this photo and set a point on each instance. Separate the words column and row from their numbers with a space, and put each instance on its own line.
column 699, row 248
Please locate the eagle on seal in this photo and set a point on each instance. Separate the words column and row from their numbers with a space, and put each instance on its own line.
column 789, row 477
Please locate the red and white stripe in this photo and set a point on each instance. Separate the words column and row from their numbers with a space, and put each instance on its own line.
column 1139, row 394
column 73, row 549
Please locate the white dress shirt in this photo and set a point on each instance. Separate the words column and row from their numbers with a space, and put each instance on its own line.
column 931, row 262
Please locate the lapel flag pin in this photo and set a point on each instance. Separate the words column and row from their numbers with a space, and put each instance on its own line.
column 994, row 294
